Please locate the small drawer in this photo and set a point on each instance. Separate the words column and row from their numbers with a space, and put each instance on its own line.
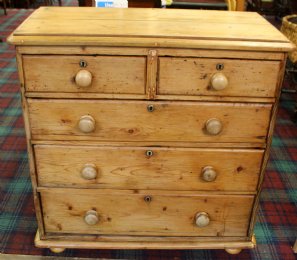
column 217, row 77
column 77, row 74
column 148, row 121
column 148, row 168
column 90, row 211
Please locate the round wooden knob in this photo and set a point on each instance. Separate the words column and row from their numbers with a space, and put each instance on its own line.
column 202, row 219
column 91, row 217
column 83, row 78
column 86, row 124
column 213, row 126
column 89, row 172
column 219, row 81
column 208, row 174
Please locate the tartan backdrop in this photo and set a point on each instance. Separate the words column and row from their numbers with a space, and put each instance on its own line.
column 277, row 216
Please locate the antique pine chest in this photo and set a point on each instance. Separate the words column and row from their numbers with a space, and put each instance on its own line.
column 148, row 128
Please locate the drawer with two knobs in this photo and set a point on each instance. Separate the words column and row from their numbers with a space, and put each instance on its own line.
column 150, row 213
column 115, row 120
column 148, row 168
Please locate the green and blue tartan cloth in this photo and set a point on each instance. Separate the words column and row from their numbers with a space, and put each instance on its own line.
column 276, row 227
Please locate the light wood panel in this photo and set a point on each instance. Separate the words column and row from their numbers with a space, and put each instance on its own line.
column 32, row 169
column 142, row 96
column 110, row 74
column 55, row 141
column 131, row 168
column 149, row 27
column 138, row 242
column 189, row 76
column 130, row 120
column 93, row 50
column 128, row 213
column 151, row 42
column 149, row 23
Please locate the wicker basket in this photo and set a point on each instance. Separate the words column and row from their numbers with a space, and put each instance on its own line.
column 289, row 28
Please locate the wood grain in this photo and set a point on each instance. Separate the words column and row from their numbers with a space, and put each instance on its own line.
column 130, row 120
column 145, row 96
column 152, row 68
column 31, row 158
column 265, row 46
column 130, row 168
column 111, row 74
column 138, row 242
column 126, row 213
column 130, row 51
column 150, row 23
column 150, row 28
column 190, row 76
column 55, row 141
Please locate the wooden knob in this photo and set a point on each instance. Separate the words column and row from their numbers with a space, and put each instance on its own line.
column 208, row 174
column 91, row 217
column 213, row 126
column 89, row 172
column 219, row 81
column 86, row 124
column 202, row 219
column 83, row 78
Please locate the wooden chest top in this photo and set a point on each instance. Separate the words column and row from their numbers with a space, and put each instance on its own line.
column 149, row 28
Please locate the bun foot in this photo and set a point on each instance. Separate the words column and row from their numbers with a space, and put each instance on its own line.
column 233, row 251
column 57, row 250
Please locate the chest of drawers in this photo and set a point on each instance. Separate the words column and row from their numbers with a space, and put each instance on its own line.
column 148, row 128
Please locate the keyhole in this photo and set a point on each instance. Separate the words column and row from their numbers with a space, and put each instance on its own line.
column 220, row 66
column 149, row 153
column 150, row 108
column 147, row 198
column 83, row 63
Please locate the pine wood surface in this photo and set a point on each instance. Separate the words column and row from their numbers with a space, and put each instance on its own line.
column 134, row 51
column 137, row 242
column 189, row 76
column 131, row 168
column 56, row 74
column 168, row 25
column 32, row 169
column 130, row 120
column 124, row 212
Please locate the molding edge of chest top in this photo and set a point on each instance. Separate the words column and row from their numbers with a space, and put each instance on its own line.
column 148, row 128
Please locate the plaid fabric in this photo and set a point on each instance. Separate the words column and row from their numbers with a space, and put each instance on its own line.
column 277, row 217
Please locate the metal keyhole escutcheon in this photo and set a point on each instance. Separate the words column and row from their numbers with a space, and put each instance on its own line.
column 150, row 108
column 147, row 198
column 220, row 66
column 83, row 63
column 149, row 153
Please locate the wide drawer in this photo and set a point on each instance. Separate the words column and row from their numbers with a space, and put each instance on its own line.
column 145, row 121
column 108, row 74
column 148, row 168
column 217, row 77
column 144, row 213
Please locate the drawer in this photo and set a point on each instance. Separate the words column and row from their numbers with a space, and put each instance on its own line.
column 144, row 213
column 145, row 121
column 148, row 168
column 101, row 74
column 217, row 77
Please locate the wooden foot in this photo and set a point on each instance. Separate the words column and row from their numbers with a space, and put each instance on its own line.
column 57, row 250
column 295, row 247
column 233, row 251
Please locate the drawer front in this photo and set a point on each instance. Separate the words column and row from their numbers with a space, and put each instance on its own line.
column 145, row 213
column 207, row 77
column 107, row 74
column 145, row 121
column 148, row 168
